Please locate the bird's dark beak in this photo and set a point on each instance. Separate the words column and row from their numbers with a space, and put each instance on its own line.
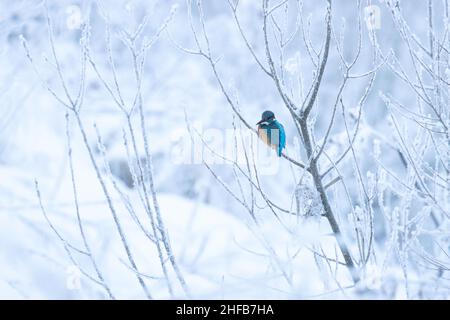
column 259, row 122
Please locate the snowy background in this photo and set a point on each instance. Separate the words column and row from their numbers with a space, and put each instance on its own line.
column 232, row 237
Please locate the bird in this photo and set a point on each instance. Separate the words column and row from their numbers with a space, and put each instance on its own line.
column 271, row 132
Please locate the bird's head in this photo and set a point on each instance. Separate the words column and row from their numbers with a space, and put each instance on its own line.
column 266, row 117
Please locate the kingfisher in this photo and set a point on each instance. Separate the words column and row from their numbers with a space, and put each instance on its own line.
column 271, row 132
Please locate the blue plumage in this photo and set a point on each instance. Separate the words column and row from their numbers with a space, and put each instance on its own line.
column 271, row 132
